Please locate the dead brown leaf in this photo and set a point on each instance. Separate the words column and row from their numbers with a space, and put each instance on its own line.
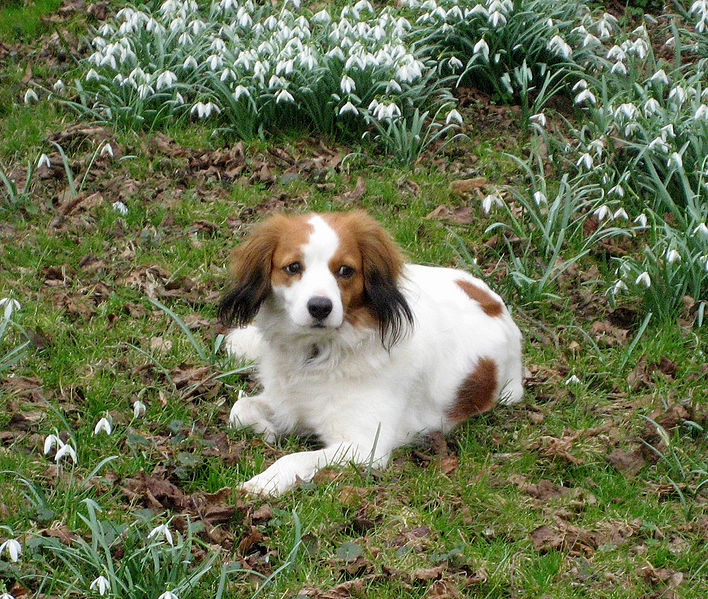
column 59, row 530
column 443, row 589
column 630, row 463
column 463, row 186
column 543, row 489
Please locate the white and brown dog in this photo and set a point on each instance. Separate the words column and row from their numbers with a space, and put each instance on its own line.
column 357, row 347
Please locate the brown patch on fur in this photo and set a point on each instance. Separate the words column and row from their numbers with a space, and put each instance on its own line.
column 368, row 248
column 273, row 244
column 476, row 393
column 490, row 305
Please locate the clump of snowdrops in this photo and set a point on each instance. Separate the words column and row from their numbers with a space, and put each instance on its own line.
column 644, row 138
column 518, row 51
column 252, row 68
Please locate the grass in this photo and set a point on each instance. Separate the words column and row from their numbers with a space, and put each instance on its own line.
column 22, row 21
column 100, row 344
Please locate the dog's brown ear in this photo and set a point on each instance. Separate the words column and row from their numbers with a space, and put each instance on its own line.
column 382, row 263
column 251, row 264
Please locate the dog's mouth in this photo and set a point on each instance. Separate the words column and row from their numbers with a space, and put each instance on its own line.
column 318, row 325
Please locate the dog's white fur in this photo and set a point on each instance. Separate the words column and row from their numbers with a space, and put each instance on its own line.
column 341, row 383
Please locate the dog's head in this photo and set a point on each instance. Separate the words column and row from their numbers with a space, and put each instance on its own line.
column 320, row 271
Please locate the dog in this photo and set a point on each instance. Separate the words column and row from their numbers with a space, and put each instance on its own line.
column 356, row 346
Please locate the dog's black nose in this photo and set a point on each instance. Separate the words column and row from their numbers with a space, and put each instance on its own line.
column 319, row 307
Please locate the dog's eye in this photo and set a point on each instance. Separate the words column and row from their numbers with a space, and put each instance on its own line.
column 345, row 271
column 293, row 268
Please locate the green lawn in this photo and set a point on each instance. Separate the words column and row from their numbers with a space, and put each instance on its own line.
column 593, row 486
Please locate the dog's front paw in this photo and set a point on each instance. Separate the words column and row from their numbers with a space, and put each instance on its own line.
column 282, row 476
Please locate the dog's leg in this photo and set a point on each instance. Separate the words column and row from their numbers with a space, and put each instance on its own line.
column 254, row 413
column 284, row 474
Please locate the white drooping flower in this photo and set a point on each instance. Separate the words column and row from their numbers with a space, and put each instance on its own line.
column 672, row 256
column 348, row 108
column 643, row 279
column 701, row 229
column 539, row 119
column 572, row 380
column 284, row 96
column 586, row 96
column 585, row 161
column 31, row 96
column 120, row 207
column 559, row 46
column 489, row 201
column 101, row 584
column 659, row 77
column 641, row 220
column 66, row 450
column 139, row 409
column 165, row 79
column 602, row 212
column 103, row 425
column 12, row 548
column 482, row 48
column 674, row 161
column 539, row 198
column 168, row 595
column 453, row 117
column 620, row 214
column 162, row 531
column 107, row 150
column 619, row 285
column 59, row 87
column 347, row 85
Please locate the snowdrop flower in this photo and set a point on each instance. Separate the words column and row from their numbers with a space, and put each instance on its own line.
column 677, row 95
column 101, row 585
column 643, row 279
column 659, row 77
column 241, row 91
column 166, row 79
column 617, row 190
column 582, row 84
column 616, row 53
column 618, row 69
column 103, row 425
column 168, row 595
column 482, row 48
column 619, row 285
column 540, row 198
column 6, row 596
column 66, row 450
column 539, row 119
column 348, row 108
column 120, row 207
column 31, row 95
column 453, row 117
column 107, row 150
column 50, row 442
column 10, row 306
column 12, row 548
column 621, row 213
column 92, row 75
column 347, row 85
column 162, row 531
column 392, row 87
column 702, row 229
column 59, row 87
column 602, row 212
column 672, row 256
column 145, row 90
column 496, row 18
column 284, row 96
column 627, row 109
column 585, row 160
column 455, row 63
column 322, row 17
column 585, row 95
column 489, row 201
column 43, row 161
column 641, row 220
column 701, row 113
column 674, row 161
column 190, row 63
column 658, row 144
column 667, row 131
column 639, row 47
column 651, row 106
column 572, row 380
column 139, row 409
column 559, row 46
